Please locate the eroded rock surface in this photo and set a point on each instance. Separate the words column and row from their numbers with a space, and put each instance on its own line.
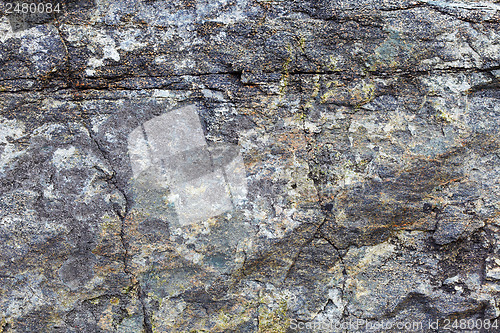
column 368, row 131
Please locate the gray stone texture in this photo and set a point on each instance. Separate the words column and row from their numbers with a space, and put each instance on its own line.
column 369, row 133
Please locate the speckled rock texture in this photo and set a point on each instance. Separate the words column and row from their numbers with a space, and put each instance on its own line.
column 369, row 134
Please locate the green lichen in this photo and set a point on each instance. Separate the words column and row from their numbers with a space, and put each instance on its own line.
column 302, row 44
column 315, row 93
column 331, row 92
column 363, row 96
column 94, row 301
column 443, row 116
column 285, row 76
column 3, row 324
column 332, row 64
column 108, row 223
column 274, row 321
column 127, row 289
column 229, row 319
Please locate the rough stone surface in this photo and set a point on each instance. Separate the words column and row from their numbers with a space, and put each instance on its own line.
column 369, row 132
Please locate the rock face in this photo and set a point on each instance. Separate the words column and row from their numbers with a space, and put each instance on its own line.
column 369, row 135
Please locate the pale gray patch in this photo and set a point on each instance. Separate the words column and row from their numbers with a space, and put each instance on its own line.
column 204, row 181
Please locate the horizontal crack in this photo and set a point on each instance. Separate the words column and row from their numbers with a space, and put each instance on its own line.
column 104, row 83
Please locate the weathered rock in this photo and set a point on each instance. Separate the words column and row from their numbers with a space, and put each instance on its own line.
column 368, row 131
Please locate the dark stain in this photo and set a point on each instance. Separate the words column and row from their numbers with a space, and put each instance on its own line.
column 328, row 207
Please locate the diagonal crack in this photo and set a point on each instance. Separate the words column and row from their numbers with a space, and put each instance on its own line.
column 345, row 276
column 318, row 233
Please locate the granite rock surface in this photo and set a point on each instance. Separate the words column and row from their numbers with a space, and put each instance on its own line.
column 369, row 135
